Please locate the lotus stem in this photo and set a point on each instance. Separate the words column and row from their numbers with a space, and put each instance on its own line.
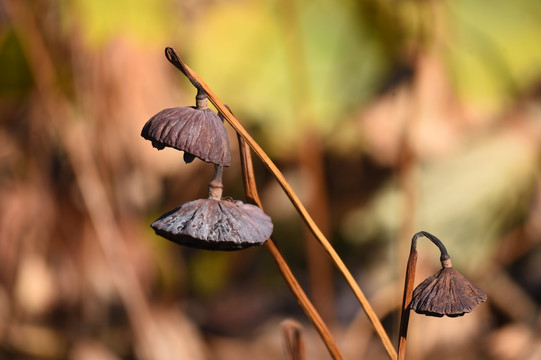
column 201, row 102
column 444, row 254
column 250, row 189
column 215, row 186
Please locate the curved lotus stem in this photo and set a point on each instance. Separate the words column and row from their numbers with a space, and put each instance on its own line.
column 435, row 240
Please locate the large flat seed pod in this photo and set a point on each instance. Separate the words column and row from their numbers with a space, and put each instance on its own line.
column 446, row 293
column 215, row 225
column 199, row 132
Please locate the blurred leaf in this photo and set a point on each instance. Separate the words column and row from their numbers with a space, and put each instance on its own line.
column 147, row 21
column 345, row 60
column 244, row 47
column 239, row 52
column 493, row 53
column 466, row 200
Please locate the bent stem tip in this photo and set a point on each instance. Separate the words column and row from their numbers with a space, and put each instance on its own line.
column 174, row 59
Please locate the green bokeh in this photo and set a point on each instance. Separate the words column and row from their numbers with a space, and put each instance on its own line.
column 289, row 71
column 493, row 54
column 145, row 21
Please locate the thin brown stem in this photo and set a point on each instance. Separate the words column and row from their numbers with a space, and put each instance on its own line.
column 215, row 185
column 252, row 195
column 444, row 255
column 179, row 64
column 232, row 120
column 406, row 299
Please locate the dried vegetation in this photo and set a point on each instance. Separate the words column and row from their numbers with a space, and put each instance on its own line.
column 82, row 275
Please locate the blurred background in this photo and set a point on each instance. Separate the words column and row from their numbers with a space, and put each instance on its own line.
column 387, row 117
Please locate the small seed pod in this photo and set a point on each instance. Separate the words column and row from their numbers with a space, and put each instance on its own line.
column 198, row 131
column 215, row 223
column 446, row 293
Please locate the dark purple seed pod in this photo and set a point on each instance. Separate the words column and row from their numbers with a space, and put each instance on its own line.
column 198, row 131
column 215, row 225
column 446, row 293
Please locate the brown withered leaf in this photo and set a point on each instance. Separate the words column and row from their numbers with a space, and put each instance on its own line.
column 197, row 132
column 446, row 293
column 215, row 225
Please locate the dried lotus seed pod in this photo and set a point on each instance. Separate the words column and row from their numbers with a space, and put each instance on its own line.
column 215, row 223
column 198, row 131
column 446, row 293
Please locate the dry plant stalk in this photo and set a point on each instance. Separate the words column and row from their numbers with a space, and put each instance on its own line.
column 320, row 237
column 293, row 341
column 250, row 188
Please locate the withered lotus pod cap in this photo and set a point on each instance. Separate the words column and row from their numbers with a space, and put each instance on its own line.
column 198, row 131
column 446, row 293
column 215, row 225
